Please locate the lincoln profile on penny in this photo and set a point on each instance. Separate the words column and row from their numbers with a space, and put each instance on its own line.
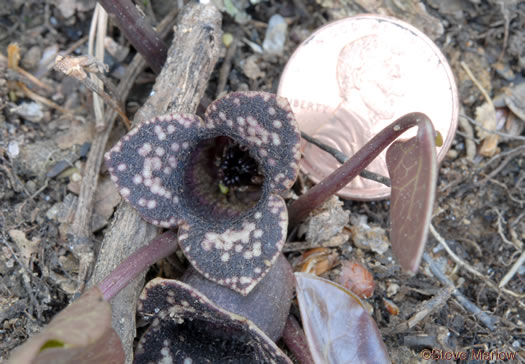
column 218, row 179
column 369, row 87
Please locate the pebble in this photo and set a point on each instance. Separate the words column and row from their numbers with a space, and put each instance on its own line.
column 275, row 35
column 13, row 149
column 117, row 51
column 31, row 58
column 30, row 111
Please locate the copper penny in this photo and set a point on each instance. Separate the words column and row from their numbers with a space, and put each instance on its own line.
column 353, row 77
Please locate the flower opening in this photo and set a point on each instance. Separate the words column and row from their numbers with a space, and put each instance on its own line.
column 218, row 179
column 223, row 181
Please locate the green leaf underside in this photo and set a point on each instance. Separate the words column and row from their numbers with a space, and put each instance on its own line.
column 52, row 344
column 412, row 166
column 337, row 326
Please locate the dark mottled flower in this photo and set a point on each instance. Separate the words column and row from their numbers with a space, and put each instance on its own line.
column 197, row 321
column 218, row 179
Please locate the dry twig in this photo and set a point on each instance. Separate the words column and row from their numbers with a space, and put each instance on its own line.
column 193, row 57
column 424, row 309
column 226, row 67
column 79, row 233
column 13, row 57
column 490, row 141
column 487, row 319
column 500, row 133
column 342, row 158
column 473, row 271
column 78, row 68
column 99, row 24
column 513, row 270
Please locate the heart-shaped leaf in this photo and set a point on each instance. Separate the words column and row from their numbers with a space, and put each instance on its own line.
column 79, row 334
column 337, row 326
column 412, row 165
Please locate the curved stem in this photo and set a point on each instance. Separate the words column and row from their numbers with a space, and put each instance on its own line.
column 342, row 158
column 295, row 340
column 339, row 178
column 137, row 30
column 158, row 248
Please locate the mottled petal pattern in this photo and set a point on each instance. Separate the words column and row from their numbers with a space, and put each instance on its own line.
column 145, row 165
column 173, row 170
column 237, row 254
column 189, row 328
column 265, row 123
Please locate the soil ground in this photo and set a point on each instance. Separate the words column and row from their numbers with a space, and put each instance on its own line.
column 480, row 201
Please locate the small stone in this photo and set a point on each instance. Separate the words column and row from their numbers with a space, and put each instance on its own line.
column 326, row 222
column 25, row 246
column 452, row 154
column 31, row 111
column 47, row 57
column 366, row 237
column 251, row 69
column 76, row 177
column 392, row 289
column 66, row 7
column 31, row 58
column 275, row 35
column 337, row 240
column 504, row 71
column 13, row 149
column 117, row 51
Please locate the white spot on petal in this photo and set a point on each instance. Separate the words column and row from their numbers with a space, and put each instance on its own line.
column 245, row 280
column 275, row 139
column 151, row 204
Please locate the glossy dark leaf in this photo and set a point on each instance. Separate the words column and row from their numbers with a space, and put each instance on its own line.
column 337, row 326
column 80, row 334
column 412, row 165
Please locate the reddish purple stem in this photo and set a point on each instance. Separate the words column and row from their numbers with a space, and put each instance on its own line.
column 339, row 178
column 158, row 248
column 295, row 340
column 135, row 28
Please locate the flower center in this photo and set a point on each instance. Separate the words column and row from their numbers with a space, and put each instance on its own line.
column 222, row 180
